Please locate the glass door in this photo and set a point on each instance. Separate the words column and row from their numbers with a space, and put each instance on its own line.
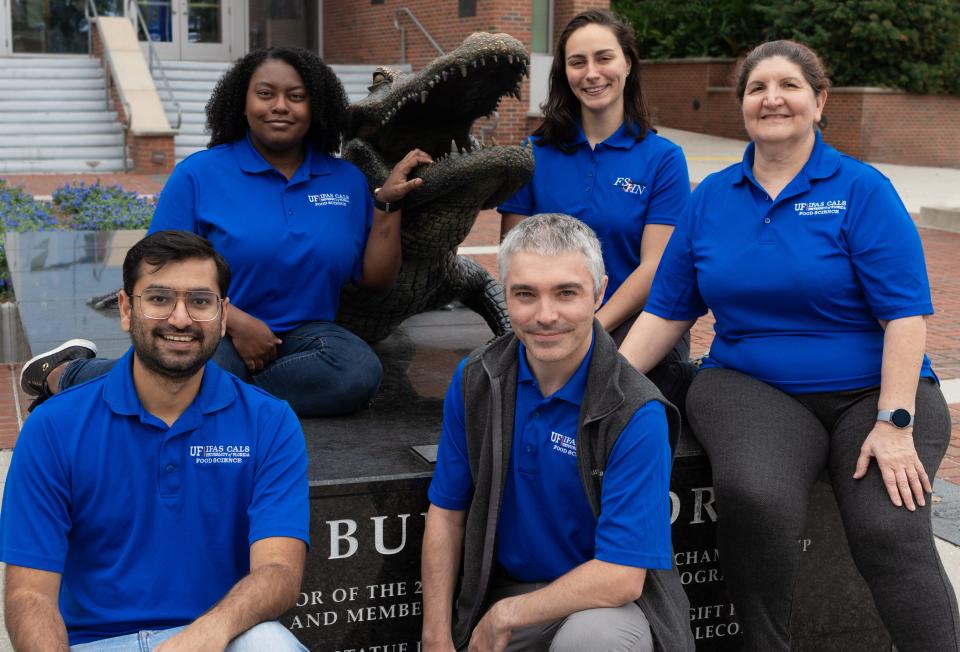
column 192, row 30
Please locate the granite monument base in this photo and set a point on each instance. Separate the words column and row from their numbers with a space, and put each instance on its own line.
column 369, row 473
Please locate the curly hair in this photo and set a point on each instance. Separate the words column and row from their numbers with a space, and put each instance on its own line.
column 328, row 101
column 562, row 109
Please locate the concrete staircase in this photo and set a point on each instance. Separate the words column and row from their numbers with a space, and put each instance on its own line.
column 54, row 117
column 193, row 81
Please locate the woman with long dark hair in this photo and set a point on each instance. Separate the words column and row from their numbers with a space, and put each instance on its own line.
column 598, row 159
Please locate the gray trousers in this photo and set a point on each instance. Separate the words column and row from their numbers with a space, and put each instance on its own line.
column 619, row 629
column 766, row 449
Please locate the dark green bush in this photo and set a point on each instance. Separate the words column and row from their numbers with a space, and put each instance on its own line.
column 913, row 45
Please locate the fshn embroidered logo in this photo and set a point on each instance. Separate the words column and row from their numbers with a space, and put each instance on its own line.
column 628, row 186
column 219, row 454
column 329, row 199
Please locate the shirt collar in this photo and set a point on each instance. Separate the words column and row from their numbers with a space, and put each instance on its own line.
column 251, row 161
column 823, row 162
column 622, row 138
column 572, row 390
column 216, row 390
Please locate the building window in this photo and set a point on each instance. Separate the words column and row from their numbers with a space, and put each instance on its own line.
column 468, row 8
column 376, row 2
column 540, row 27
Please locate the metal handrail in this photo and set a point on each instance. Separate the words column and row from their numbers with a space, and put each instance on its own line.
column 403, row 33
column 90, row 11
column 140, row 24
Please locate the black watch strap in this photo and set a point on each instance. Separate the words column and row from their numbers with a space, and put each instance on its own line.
column 385, row 206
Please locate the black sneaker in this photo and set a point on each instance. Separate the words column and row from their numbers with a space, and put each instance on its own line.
column 33, row 377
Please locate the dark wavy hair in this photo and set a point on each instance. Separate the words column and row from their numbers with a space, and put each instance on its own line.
column 797, row 53
column 328, row 101
column 162, row 247
column 562, row 109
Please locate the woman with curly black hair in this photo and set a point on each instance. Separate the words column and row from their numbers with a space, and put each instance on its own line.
column 295, row 224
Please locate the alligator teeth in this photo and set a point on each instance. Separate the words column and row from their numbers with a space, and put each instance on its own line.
column 509, row 58
column 453, row 147
column 495, row 60
column 432, row 83
column 423, row 97
column 443, row 74
column 463, row 69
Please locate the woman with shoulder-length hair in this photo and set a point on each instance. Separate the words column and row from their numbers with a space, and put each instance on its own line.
column 295, row 225
column 598, row 159
column 815, row 274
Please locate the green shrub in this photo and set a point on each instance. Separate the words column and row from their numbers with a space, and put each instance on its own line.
column 914, row 46
column 19, row 211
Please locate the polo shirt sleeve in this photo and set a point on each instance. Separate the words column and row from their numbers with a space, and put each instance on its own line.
column 280, row 506
column 671, row 190
column 887, row 255
column 452, row 484
column 522, row 202
column 634, row 524
column 35, row 519
column 675, row 293
column 176, row 208
column 367, row 209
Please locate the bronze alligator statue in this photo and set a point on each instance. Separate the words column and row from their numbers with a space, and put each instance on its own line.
column 434, row 110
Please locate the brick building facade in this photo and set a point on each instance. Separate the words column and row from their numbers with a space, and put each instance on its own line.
column 363, row 31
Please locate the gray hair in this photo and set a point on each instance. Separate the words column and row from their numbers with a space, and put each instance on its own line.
column 553, row 234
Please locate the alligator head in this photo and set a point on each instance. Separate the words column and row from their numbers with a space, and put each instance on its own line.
column 434, row 110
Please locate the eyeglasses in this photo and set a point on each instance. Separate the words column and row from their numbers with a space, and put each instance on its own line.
column 159, row 303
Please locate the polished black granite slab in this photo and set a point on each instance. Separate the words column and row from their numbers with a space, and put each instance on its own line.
column 54, row 273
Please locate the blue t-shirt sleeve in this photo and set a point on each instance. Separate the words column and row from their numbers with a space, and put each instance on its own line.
column 176, row 208
column 671, row 190
column 522, row 202
column 452, row 484
column 35, row 519
column 634, row 524
column 675, row 293
column 887, row 255
column 280, row 506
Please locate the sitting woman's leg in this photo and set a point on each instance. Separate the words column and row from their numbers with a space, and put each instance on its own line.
column 766, row 451
column 321, row 369
column 892, row 547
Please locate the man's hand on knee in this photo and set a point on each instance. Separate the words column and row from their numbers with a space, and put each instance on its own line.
column 493, row 630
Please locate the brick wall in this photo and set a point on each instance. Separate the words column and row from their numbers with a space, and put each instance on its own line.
column 356, row 31
column 869, row 123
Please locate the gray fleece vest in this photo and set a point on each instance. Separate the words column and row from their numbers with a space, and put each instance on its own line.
column 614, row 392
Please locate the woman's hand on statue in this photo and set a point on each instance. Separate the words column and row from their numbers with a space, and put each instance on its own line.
column 903, row 475
column 255, row 342
column 397, row 185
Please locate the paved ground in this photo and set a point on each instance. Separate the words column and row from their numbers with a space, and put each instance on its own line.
column 918, row 187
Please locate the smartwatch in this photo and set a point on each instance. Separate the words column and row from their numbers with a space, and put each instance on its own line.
column 385, row 206
column 900, row 418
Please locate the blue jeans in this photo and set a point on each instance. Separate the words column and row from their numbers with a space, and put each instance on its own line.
column 321, row 369
column 265, row 636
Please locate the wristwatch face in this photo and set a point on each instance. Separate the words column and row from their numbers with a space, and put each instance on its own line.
column 900, row 418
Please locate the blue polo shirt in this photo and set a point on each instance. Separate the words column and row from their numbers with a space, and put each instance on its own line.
column 546, row 527
column 291, row 245
column 149, row 525
column 797, row 284
column 616, row 188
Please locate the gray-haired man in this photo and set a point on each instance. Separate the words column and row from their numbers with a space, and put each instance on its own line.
column 553, row 473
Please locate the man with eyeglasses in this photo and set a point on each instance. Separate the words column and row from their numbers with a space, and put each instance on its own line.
column 164, row 504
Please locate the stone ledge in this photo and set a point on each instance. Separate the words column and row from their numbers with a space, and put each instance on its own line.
column 943, row 219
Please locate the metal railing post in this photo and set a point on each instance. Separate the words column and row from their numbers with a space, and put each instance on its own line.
column 403, row 32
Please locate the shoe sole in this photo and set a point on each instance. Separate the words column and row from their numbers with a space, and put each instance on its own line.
column 87, row 345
